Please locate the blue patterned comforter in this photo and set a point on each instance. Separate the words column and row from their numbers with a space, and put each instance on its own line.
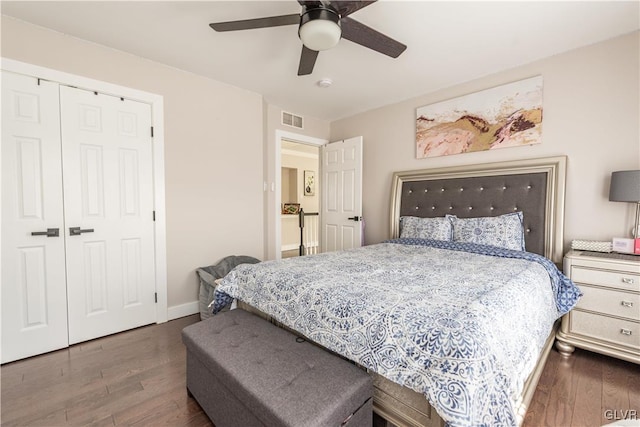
column 462, row 324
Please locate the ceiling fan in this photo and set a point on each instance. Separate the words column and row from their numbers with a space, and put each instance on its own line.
column 321, row 24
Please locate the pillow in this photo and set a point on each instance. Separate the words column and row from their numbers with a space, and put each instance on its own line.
column 504, row 231
column 426, row 228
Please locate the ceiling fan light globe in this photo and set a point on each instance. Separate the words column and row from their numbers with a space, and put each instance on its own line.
column 320, row 34
column 320, row 28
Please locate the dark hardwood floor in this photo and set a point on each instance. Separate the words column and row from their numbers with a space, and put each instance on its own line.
column 586, row 389
column 138, row 378
column 133, row 378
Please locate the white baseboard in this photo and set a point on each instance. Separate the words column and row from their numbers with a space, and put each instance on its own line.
column 182, row 310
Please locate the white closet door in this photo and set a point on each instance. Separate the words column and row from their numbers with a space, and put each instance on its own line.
column 108, row 187
column 34, row 305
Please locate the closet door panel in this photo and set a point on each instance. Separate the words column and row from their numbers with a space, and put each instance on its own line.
column 108, row 183
column 34, row 304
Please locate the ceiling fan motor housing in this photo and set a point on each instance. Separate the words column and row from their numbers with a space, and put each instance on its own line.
column 320, row 28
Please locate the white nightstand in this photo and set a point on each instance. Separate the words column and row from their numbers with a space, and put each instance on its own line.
column 607, row 317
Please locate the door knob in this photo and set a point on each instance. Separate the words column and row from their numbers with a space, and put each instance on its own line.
column 355, row 218
column 51, row 232
column 76, row 231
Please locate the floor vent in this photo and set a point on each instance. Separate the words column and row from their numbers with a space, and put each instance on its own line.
column 292, row 120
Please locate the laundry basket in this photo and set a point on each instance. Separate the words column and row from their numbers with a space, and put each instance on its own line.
column 208, row 276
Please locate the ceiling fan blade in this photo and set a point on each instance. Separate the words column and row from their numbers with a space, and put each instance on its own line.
column 346, row 8
column 368, row 37
column 307, row 61
column 249, row 24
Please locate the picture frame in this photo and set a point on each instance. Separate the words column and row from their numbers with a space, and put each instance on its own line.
column 509, row 115
column 309, row 183
column 290, row 208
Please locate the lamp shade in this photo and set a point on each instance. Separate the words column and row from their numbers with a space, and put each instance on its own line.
column 625, row 186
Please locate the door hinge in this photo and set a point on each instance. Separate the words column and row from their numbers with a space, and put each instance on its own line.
column 156, row 295
column 151, row 131
column 154, row 216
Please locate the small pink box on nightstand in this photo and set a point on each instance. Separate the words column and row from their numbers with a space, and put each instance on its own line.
column 625, row 246
column 636, row 246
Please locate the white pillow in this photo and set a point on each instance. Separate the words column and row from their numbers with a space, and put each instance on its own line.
column 504, row 231
column 426, row 228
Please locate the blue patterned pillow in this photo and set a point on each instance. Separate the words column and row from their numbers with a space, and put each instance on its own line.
column 504, row 231
column 426, row 228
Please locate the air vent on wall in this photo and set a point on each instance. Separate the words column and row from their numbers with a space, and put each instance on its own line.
column 291, row 120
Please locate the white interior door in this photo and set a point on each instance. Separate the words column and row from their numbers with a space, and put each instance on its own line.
column 108, row 187
column 342, row 195
column 34, row 305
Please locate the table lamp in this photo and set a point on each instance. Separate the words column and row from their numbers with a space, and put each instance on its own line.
column 625, row 187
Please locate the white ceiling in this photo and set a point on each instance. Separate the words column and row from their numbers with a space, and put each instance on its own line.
column 449, row 42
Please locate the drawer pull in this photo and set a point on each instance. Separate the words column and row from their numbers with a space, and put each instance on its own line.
column 626, row 303
column 628, row 280
column 625, row 332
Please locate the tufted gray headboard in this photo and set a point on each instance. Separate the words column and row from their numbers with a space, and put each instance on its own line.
column 533, row 186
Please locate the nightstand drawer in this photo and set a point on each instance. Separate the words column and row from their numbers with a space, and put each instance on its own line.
column 616, row 279
column 612, row 302
column 604, row 328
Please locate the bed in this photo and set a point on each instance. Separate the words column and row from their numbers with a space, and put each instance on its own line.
column 463, row 348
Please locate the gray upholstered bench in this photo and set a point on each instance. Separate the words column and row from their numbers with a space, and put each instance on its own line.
column 244, row 371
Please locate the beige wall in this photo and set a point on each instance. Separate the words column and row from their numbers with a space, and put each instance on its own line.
column 213, row 149
column 591, row 114
column 300, row 164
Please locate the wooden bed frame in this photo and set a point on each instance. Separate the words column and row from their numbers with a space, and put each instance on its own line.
column 535, row 187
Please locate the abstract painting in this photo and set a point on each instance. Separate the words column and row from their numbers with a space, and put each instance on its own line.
column 505, row 116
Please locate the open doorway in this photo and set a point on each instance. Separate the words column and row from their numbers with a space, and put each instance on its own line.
column 275, row 203
column 299, row 191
